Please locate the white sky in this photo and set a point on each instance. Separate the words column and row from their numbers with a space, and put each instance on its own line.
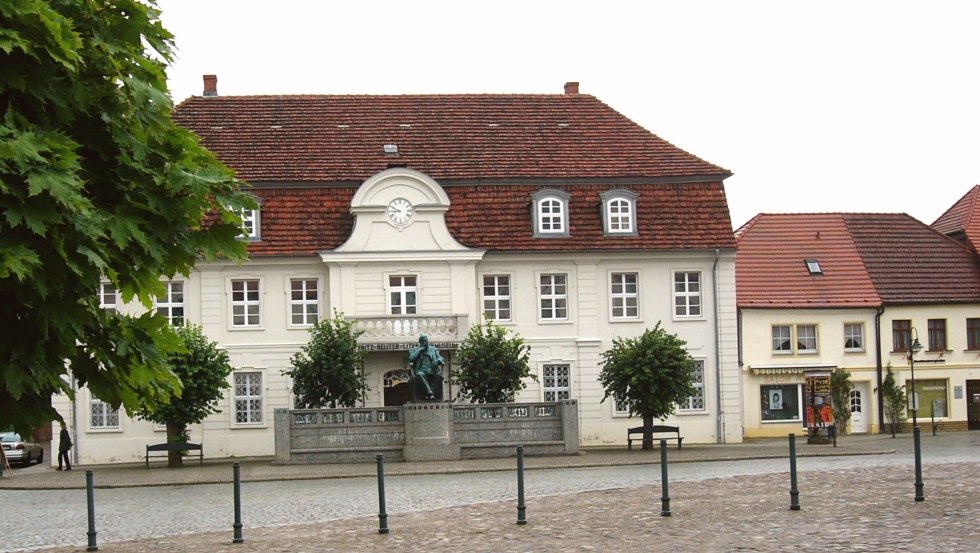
column 814, row 106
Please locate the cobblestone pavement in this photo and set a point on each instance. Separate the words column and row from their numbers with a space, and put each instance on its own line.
column 852, row 503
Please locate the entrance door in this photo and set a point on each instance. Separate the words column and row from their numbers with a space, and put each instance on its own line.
column 398, row 390
column 859, row 411
column 973, row 404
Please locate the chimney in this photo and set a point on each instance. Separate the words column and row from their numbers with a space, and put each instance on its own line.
column 211, row 85
column 571, row 88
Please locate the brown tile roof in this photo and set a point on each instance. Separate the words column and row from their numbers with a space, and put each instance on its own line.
column 911, row 263
column 867, row 260
column 962, row 221
column 306, row 156
column 488, row 136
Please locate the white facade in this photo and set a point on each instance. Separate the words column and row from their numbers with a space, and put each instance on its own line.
column 401, row 275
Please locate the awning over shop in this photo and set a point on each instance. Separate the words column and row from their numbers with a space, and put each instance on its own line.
column 789, row 369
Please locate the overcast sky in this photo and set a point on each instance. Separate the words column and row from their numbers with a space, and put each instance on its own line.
column 828, row 106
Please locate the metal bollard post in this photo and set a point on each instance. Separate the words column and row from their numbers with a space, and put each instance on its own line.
column 382, row 514
column 90, row 493
column 919, row 495
column 665, row 500
column 237, row 468
column 794, row 494
column 521, row 508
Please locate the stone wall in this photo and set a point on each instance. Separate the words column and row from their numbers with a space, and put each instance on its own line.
column 429, row 431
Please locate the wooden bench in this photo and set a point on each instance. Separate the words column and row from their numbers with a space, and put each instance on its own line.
column 163, row 450
column 657, row 429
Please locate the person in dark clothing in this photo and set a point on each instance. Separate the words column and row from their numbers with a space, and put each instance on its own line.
column 63, row 447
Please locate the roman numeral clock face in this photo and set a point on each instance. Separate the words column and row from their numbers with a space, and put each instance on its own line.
column 400, row 211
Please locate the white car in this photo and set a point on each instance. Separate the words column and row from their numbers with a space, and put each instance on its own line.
column 16, row 450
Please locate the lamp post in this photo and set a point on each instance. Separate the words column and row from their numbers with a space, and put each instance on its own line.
column 915, row 346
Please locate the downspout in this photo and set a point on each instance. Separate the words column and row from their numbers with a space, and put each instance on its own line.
column 720, row 420
column 74, row 423
column 880, row 399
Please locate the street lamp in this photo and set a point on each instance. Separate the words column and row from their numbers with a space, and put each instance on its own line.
column 914, row 347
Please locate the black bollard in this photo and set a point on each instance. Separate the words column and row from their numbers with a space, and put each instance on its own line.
column 521, row 508
column 382, row 514
column 90, row 492
column 794, row 494
column 919, row 495
column 237, row 468
column 665, row 500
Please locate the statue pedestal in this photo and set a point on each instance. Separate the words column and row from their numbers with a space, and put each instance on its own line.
column 429, row 432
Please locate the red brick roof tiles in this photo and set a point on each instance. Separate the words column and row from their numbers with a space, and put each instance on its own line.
column 306, row 156
column 962, row 221
column 867, row 260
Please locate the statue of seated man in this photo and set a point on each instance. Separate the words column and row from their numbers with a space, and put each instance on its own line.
column 426, row 365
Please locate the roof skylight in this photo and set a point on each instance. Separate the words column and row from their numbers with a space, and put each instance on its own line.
column 813, row 266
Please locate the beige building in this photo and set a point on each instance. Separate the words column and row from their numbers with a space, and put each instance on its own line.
column 851, row 291
column 553, row 215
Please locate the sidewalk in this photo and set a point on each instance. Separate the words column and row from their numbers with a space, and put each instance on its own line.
column 262, row 469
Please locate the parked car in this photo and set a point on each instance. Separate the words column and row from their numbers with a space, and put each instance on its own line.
column 19, row 451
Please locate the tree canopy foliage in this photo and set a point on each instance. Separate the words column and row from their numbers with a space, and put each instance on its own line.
column 327, row 371
column 96, row 182
column 894, row 400
column 648, row 375
column 203, row 371
column 492, row 366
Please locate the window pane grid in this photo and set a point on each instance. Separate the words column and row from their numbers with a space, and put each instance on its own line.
column 245, row 306
column 248, row 397
column 782, row 341
column 901, row 335
column 696, row 401
column 496, row 297
column 554, row 297
column 108, row 297
column 853, row 337
column 937, row 334
column 624, row 296
column 973, row 333
column 103, row 415
column 304, row 301
column 170, row 303
column 403, row 291
column 687, row 294
column 619, row 213
column 557, row 384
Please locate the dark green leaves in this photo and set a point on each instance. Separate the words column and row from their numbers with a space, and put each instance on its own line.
column 492, row 367
column 327, row 372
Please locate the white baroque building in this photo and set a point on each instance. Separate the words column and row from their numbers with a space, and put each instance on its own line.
column 553, row 215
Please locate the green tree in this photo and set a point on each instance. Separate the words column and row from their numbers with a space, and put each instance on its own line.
column 203, row 371
column 893, row 398
column 840, row 397
column 650, row 375
column 327, row 371
column 492, row 366
column 96, row 182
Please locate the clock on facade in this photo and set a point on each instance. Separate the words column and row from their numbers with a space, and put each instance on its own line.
column 400, row 211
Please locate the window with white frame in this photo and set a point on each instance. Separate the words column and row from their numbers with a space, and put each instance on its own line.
column 550, row 212
column 687, row 294
column 556, row 382
column 619, row 212
column 496, row 297
column 696, row 401
column 553, row 296
column 620, row 407
column 103, row 416
column 403, row 294
column 304, row 301
column 802, row 336
column 170, row 303
column 246, row 304
column 624, row 295
column 248, row 397
column 853, row 337
column 806, row 338
column 108, row 297
column 250, row 224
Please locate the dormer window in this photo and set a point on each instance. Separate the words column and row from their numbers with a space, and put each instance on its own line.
column 813, row 267
column 550, row 213
column 619, row 212
column 251, row 222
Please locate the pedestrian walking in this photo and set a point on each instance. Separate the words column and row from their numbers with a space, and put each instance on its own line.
column 64, row 446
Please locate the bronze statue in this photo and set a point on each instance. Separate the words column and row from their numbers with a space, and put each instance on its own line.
column 426, row 365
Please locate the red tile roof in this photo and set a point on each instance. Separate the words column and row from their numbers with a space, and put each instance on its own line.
column 867, row 260
column 770, row 270
column 487, row 136
column 962, row 221
column 306, row 156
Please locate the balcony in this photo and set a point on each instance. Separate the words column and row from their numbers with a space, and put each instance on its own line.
column 402, row 332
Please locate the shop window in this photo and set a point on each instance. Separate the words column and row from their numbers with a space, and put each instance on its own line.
column 781, row 402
